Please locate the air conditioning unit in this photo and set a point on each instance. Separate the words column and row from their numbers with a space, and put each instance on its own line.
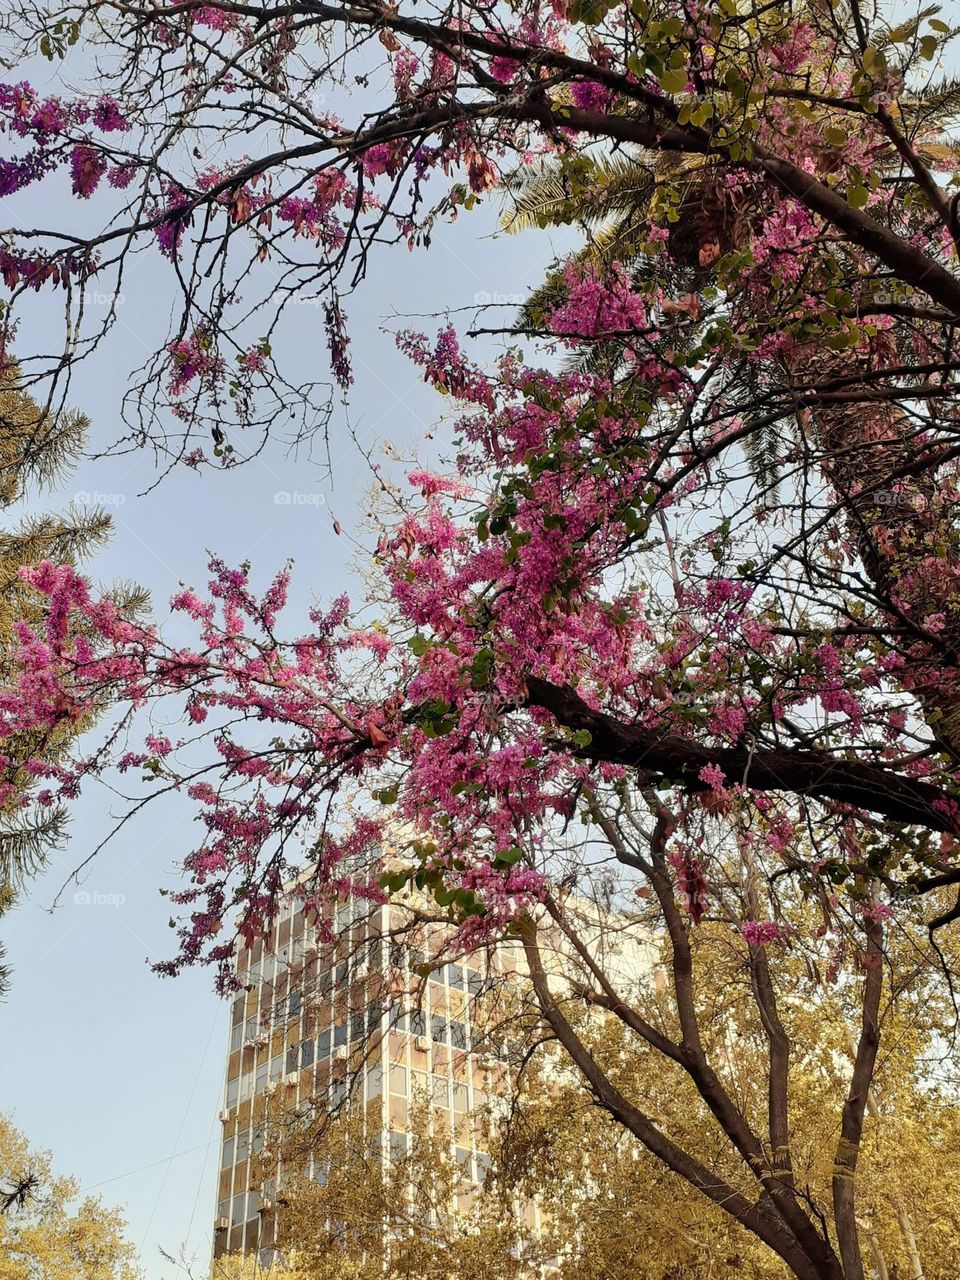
column 266, row 1206
column 271, row 1088
column 421, row 1043
column 221, row 1224
column 226, row 1115
column 292, row 1077
column 340, row 1053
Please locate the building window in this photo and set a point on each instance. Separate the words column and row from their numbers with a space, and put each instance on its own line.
column 232, row 1088
column 340, row 1035
column 306, row 1053
column 438, row 1029
column 458, row 1035
column 455, row 976
column 226, row 1159
column 323, row 1044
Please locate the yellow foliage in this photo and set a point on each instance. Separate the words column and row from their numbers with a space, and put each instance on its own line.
column 46, row 1233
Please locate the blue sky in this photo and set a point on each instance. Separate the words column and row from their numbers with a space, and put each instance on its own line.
column 116, row 1070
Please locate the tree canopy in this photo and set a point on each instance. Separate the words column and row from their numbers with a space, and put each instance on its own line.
column 685, row 602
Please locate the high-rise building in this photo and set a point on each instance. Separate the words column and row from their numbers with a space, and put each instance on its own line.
column 382, row 1016
column 360, row 1019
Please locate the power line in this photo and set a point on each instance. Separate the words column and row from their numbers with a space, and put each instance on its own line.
column 201, row 1146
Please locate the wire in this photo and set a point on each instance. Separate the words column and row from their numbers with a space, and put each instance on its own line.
column 130, row 1172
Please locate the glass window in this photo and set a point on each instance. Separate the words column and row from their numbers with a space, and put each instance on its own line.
column 236, row 1037
column 438, row 1029
column 306, row 1053
column 323, row 1044
column 276, row 1066
column 459, row 1097
column 261, row 1081
column 455, row 976
column 397, row 1146
column 418, row 1023
column 465, row 1160
column 292, row 1055
column 483, row 1165
column 356, row 1026
column 226, row 1159
column 374, row 1083
column 458, row 1035
column 232, row 1089
column 294, row 1005
column 246, row 1086
column 340, row 1035
column 440, row 1091
column 398, row 1079
column 243, row 1145
column 237, row 1216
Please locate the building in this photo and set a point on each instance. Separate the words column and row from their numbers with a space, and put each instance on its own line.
column 377, row 1016
column 320, row 1024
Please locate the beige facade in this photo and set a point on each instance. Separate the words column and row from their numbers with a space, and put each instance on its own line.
column 383, row 1016
column 324, row 1025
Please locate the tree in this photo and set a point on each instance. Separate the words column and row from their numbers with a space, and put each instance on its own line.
column 348, row 1216
column 598, row 633
column 606, row 1208
column 43, row 1231
column 36, row 449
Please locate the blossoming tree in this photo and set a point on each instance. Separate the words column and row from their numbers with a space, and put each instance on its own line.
column 701, row 579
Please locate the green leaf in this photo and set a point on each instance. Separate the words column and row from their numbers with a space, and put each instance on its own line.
column 418, row 645
column 674, row 81
column 509, row 857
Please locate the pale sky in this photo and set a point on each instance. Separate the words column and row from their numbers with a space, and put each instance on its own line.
column 116, row 1070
